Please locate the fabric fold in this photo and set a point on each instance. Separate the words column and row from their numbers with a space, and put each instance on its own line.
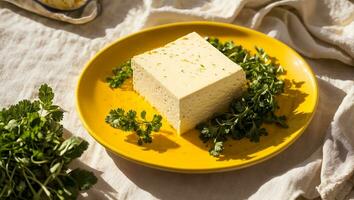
column 84, row 15
column 338, row 153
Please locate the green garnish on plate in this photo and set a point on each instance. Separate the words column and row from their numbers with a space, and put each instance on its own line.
column 120, row 74
column 256, row 106
column 129, row 121
column 246, row 114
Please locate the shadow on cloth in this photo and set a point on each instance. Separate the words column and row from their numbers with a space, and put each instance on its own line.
column 101, row 189
column 324, row 67
column 235, row 184
column 112, row 14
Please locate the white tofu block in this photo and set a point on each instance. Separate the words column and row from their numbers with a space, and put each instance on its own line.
column 187, row 80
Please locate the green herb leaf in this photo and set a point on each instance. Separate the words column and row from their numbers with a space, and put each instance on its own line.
column 84, row 179
column 143, row 114
column 120, row 74
column 129, row 121
column 46, row 95
column 72, row 148
column 217, row 149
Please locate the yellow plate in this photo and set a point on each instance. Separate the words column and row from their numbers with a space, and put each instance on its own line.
column 187, row 153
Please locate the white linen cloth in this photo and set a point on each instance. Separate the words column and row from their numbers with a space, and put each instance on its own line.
column 35, row 50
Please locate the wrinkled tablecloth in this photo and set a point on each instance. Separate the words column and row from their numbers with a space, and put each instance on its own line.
column 35, row 50
column 83, row 15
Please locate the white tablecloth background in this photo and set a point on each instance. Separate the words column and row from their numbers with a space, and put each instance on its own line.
column 35, row 50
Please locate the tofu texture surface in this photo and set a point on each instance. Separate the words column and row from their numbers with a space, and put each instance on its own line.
column 187, row 80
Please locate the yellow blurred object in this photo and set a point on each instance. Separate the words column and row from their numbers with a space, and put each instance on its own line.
column 187, row 153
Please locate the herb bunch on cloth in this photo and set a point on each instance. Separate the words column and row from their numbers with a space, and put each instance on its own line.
column 257, row 105
column 34, row 155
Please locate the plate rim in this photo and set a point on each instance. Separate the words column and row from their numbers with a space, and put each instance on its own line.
column 184, row 170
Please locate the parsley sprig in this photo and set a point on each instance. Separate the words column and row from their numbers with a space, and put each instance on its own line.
column 34, row 156
column 256, row 106
column 129, row 121
column 120, row 74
